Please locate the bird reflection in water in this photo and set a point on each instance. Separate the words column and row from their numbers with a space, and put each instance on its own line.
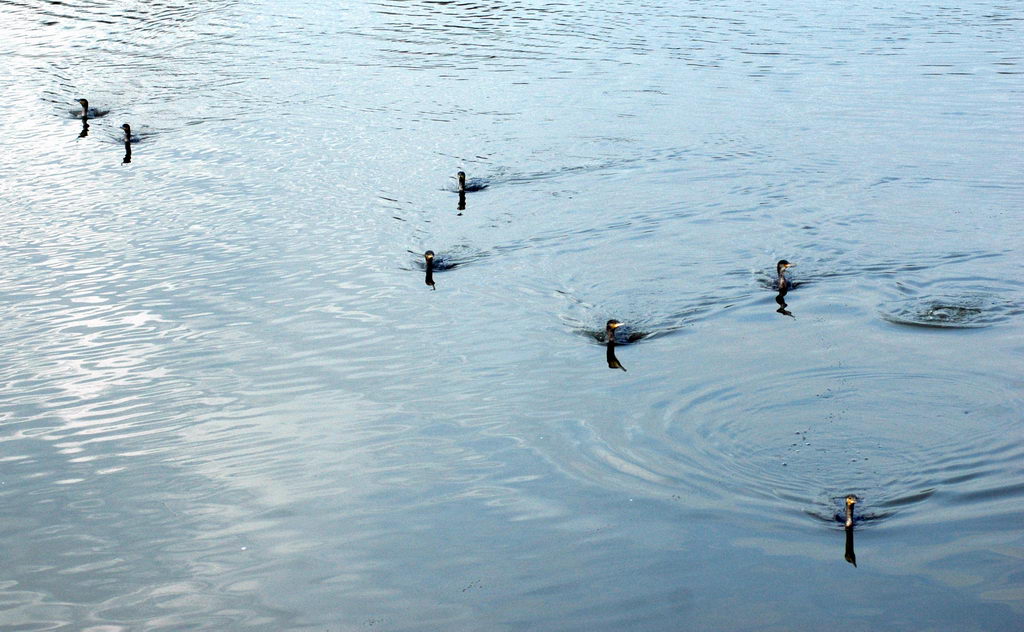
column 850, row 555
column 609, row 333
column 428, row 256
column 781, row 300
column 462, row 202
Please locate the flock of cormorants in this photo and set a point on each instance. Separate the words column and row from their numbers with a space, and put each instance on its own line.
column 91, row 113
column 781, row 283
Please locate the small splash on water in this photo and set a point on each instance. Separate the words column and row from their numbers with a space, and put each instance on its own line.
column 954, row 312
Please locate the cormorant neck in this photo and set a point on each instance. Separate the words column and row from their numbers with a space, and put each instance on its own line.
column 782, row 281
column 849, row 515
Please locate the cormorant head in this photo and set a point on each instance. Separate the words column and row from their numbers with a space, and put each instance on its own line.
column 782, row 265
column 83, row 103
column 610, row 327
column 127, row 128
column 462, row 179
column 851, row 500
column 429, row 255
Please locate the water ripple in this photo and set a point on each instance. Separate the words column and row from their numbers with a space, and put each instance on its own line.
column 223, row 377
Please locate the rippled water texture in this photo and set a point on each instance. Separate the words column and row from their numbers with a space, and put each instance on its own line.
column 231, row 402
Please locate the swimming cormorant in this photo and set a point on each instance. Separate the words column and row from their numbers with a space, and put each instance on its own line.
column 428, row 256
column 851, row 500
column 782, row 282
column 88, row 112
column 472, row 185
column 609, row 333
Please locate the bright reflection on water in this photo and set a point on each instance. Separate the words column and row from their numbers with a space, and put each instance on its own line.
column 231, row 402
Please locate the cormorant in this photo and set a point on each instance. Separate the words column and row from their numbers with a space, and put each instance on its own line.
column 782, row 282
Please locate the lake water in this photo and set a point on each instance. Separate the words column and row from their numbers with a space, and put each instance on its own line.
column 231, row 402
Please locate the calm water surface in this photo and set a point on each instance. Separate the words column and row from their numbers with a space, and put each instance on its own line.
column 230, row 401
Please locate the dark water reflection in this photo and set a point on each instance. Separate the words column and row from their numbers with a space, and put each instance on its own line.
column 849, row 553
column 229, row 402
column 611, row 359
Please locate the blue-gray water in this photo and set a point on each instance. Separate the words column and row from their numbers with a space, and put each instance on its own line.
column 230, row 401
